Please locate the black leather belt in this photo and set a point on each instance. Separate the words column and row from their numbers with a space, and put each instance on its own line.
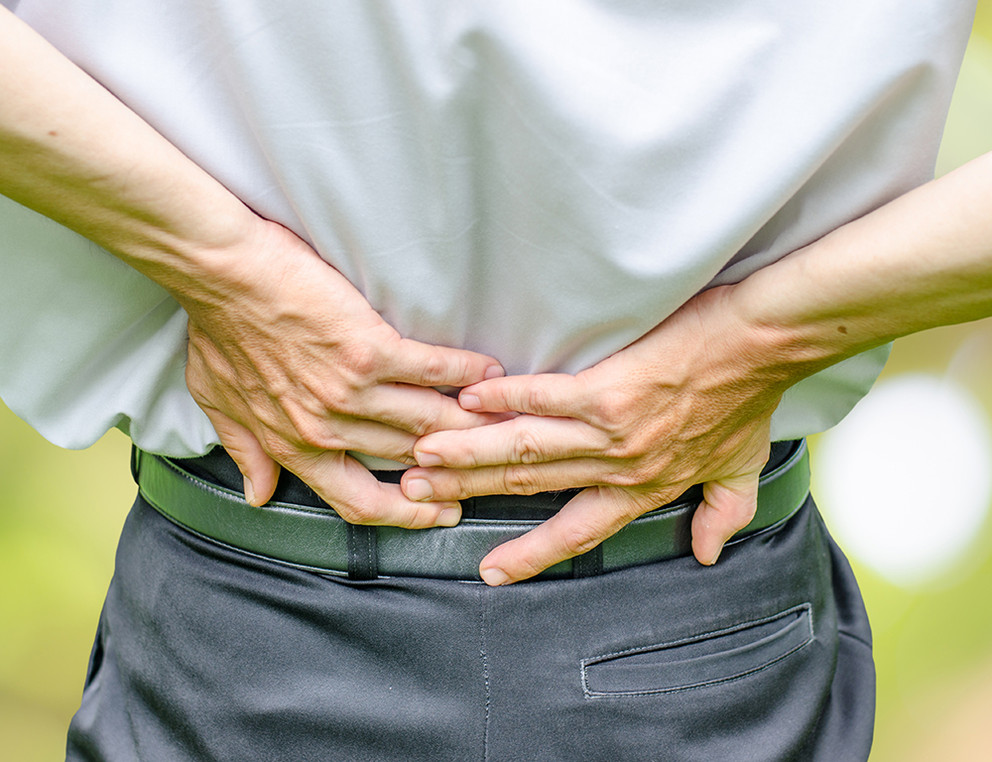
column 314, row 536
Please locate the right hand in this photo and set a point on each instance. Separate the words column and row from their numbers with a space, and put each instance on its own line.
column 294, row 368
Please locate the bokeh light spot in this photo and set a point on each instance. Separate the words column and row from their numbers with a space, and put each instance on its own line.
column 904, row 480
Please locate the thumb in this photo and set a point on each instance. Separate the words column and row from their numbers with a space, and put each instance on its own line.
column 260, row 472
column 728, row 506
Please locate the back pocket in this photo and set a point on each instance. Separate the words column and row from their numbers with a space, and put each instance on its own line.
column 707, row 659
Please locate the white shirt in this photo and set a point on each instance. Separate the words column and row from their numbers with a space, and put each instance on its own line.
column 543, row 182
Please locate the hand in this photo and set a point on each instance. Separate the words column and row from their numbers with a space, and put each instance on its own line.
column 294, row 368
column 686, row 404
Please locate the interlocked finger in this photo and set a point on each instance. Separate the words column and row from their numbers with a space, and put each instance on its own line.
column 544, row 394
column 526, row 439
column 727, row 507
column 359, row 498
column 419, row 410
column 518, row 479
column 427, row 365
column 342, row 434
column 260, row 471
column 584, row 522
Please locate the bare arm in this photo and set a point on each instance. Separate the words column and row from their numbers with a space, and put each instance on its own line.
column 921, row 261
column 287, row 359
column 691, row 401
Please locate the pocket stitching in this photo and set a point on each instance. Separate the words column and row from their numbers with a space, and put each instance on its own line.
column 586, row 663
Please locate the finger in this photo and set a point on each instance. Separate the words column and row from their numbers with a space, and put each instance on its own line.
column 260, row 472
column 525, row 439
column 584, row 522
column 546, row 394
column 728, row 506
column 420, row 410
column 423, row 364
column 519, row 479
column 342, row 433
column 359, row 498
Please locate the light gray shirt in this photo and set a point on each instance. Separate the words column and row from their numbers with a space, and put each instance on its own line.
column 540, row 181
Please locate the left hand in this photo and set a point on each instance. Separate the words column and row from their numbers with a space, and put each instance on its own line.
column 688, row 403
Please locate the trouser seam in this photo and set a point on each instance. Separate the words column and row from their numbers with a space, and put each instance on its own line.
column 485, row 672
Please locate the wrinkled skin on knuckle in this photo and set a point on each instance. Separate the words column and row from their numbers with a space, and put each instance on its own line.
column 315, row 436
column 579, row 538
column 612, row 413
column 361, row 365
column 422, row 518
column 276, row 446
column 529, row 566
column 629, row 467
column 518, row 479
column 438, row 368
column 465, row 458
column 630, row 449
column 425, row 419
column 539, row 399
column 527, row 447
column 312, row 432
column 630, row 476
column 335, row 398
column 358, row 514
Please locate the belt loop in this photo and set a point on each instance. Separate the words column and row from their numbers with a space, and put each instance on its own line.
column 363, row 556
column 589, row 564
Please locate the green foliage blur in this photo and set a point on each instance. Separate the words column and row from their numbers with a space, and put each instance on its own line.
column 61, row 512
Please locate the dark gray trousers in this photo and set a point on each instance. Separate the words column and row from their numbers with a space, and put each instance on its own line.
column 204, row 653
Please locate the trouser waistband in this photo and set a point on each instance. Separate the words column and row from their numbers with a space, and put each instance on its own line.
column 298, row 528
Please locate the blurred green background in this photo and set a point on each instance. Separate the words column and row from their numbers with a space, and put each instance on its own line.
column 61, row 512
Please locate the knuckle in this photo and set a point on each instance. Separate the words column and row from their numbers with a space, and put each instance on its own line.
column 276, row 446
column 422, row 517
column 360, row 364
column 358, row 514
column 425, row 420
column 314, row 433
column 634, row 471
column 611, row 412
column 538, row 399
column 629, row 477
column 529, row 566
column 518, row 479
column 336, row 399
column 579, row 538
column 625, row 448
column 436, row 369
column 526, row 447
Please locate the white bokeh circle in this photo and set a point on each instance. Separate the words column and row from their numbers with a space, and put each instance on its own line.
column 905, row 480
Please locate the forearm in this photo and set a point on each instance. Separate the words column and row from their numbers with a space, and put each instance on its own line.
column 71, row 151
column 921, row 261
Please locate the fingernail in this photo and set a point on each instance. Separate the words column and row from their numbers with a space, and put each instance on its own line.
column 494, row 371
column 449, row 517
column 715, row 556
column 494, row 577
column 427, row 459
column 249, row 491
column 418, row 489
column 469, row 402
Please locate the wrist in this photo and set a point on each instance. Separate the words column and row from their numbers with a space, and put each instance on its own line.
column 242, row 266
column 779, row 344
